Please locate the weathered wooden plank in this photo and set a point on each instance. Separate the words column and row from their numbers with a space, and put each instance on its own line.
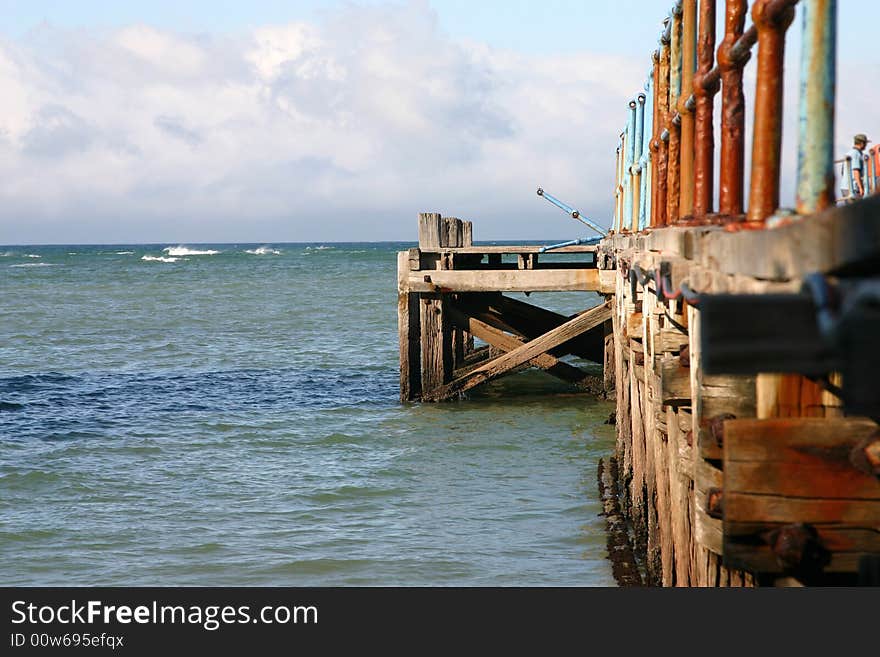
column 450, row 237
column 670, row 339
column 707, row 530
column 531, row 321
column 409, row 333
column 675, row 382
column 437, row 356
column 634, row 325
column 794, row 440
column 761, row 559
column 841, row 239
column 430, row 229
column 536, row 280
column 467, row 234
column 523, row 354
column 513, row 249
column 822, row 480
column 785, row 471
column 746, row 507
column 679, row 484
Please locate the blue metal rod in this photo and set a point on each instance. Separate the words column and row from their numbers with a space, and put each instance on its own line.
column 572, row 212
column 584, row 240
column 815, row 190
column 627, row 168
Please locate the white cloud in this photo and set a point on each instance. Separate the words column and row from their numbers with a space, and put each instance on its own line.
column 339, row 130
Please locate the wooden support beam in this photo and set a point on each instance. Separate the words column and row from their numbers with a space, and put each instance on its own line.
column 506, row 343
column 842, row 239
column 409, row 333
column 430, row 230
column 530, row 321
column 535, row 280
column 789, row 471
column 675, row 382
column 450, row 237
column 437, row 354
column 467, row 234
column 523, row 354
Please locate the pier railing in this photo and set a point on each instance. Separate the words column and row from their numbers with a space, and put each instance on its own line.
column 666, row 154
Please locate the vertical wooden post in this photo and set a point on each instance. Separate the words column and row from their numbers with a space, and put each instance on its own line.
column 451, row 235
column 437, row 353
column 467, row 233
column 608, row 361
column 430, row 230
column 409, row 332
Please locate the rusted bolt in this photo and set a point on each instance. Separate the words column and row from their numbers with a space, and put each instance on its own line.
column 716, row 427
column 639, row 358
column 689, row 437
column 427, row 278
column 865, row 456
column 798, row 548
column 715, row 503
column 685, row 357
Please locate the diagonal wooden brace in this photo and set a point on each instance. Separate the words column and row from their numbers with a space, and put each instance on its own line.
column 522, row 354
column 505, row 342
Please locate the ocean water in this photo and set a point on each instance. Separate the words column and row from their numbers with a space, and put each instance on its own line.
column 228, row 415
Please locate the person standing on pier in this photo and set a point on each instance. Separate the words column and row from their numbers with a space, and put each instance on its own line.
column 852, row 186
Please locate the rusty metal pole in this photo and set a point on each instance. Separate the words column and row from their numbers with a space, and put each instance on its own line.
column 673, row 185
column 771, row 18
column 655, row 137
column 658, row 215
column 733, row 113
column 815, row 190
column 704, row 144
column 688, row 63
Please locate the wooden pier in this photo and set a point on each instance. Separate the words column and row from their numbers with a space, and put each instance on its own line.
column 725, row 479
column 450, row 292
column 756, row 476
column 741, row 344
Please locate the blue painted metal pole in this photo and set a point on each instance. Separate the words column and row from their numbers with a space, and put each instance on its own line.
column 636, row 163
column 645, row 161
column 815, row 189
column 583, row 240
column 627, row 165
column 575, row 214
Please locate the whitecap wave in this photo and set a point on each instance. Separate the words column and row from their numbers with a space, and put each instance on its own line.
column 320, row 248
column 150, row 258
column 7, row 254
column 35, row 264
column 178, row 251
column 264, row 250
column 125, row 253
column 33, row 255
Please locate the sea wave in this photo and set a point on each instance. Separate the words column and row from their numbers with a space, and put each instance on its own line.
column 33, row 255
column 125, row 253
column 35, row 264
column 320, row 248
column 264, row 250
column 150, row 258
column 186, row 251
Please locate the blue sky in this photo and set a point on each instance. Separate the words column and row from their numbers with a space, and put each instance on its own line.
column 302, row 120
